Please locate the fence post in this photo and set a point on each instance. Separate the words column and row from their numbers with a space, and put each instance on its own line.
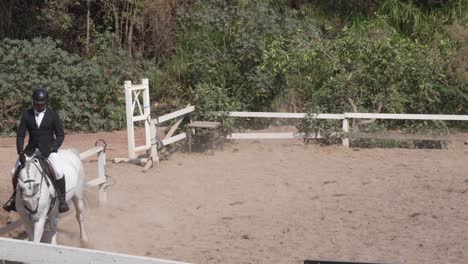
column 154, row 145
column 147, row 113
column 345, row 131
column 129, row 111
column 102, row 173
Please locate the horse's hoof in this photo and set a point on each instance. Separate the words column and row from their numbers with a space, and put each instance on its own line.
column 84, row 240
column 85, row 244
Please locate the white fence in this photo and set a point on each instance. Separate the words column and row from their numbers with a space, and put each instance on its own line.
column 136, row 112
column 169, row 138
column 40, row 253
column 137, row 108
column 344, row 117
column 100, row 181
column 287, row 135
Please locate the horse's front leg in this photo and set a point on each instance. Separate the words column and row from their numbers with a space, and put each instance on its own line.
column 29, row 229
column 53, row 227
column 38, row 227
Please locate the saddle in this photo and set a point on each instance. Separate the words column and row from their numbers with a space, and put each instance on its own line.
column 50, row 174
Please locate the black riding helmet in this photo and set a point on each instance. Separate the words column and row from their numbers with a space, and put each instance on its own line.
column 40, row 96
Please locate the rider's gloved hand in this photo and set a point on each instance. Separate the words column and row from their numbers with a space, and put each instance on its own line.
column 22, row 158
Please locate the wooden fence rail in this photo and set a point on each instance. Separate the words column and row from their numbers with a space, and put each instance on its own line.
column 139, row 111
column 345, row 117
column 169, row 138
column 137, row 105
column 40, row 253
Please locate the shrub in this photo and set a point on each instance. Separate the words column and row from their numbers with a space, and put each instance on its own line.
column 87, row 93
column 369, row 69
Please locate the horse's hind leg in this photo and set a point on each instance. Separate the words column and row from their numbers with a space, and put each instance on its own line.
column 79, row 208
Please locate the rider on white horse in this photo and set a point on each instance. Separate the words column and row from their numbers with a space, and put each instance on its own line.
column 46, row 134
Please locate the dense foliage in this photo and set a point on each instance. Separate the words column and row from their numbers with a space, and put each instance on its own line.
column 267, row 58
column 87, row 93
column 401, row 56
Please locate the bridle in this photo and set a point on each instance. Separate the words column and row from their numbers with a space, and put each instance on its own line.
column 37, row 192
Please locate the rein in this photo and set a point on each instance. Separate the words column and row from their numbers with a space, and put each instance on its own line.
column 42, row 171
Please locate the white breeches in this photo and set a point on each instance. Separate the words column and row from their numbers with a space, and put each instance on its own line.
column 54, row 160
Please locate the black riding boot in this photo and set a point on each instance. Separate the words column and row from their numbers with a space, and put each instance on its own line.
column 10, row 205
column 63, row 206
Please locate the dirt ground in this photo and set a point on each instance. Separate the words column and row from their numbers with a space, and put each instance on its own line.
column 276, row 202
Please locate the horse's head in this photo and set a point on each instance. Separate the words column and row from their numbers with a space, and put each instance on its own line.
column 30, row 179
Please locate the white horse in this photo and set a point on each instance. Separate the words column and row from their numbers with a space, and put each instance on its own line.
column 37, row 198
